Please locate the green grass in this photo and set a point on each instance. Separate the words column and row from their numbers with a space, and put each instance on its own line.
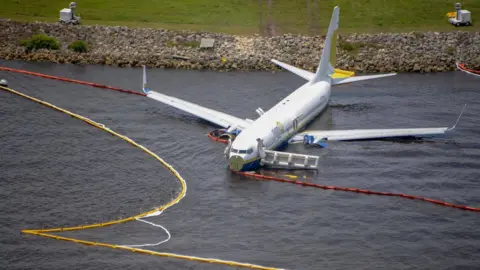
column 40, row 42
column 246, row 16
column 354, row 47
column 78, row 46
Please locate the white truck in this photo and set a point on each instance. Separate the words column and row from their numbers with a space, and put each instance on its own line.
column 67, row 15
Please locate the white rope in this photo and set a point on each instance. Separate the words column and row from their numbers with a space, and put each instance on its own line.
column 155, row 225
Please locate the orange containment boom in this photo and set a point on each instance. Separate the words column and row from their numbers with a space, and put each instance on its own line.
column 467, row 70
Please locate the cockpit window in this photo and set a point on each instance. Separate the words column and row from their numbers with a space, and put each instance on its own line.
column 249, row 151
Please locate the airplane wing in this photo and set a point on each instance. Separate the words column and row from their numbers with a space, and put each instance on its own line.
column 317, row 136
column 216, row 117
column 362, row 134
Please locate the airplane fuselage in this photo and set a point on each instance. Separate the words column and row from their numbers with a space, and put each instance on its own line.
column 278, row 124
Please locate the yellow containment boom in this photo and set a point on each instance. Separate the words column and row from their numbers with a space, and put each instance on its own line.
column 342, row 74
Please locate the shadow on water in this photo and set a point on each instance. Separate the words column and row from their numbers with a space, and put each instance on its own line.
column 359, row 107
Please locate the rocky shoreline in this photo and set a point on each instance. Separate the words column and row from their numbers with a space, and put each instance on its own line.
column 133, row 47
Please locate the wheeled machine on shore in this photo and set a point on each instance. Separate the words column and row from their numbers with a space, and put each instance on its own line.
column 460, row 17
column 67, row 15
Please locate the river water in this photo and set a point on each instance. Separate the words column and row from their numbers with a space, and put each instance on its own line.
column 57, row 171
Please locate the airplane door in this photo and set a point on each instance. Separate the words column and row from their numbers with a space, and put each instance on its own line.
column 295, row 123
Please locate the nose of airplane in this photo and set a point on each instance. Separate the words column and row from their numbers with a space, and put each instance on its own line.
column 236, row 163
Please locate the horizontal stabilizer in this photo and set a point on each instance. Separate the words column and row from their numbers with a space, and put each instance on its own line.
column 359, row 78
column 307, row 75
column 338, row 77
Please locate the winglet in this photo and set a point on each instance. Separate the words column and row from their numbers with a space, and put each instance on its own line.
column 144, row 85
column 458, row 119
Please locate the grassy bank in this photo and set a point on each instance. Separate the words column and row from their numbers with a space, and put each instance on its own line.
column 253, row 16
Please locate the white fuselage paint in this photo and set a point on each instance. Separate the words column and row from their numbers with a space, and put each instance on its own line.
column 282, row 121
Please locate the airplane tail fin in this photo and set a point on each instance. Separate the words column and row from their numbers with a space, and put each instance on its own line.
column 326, row 69
column 327, row 61
column 144, row 83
